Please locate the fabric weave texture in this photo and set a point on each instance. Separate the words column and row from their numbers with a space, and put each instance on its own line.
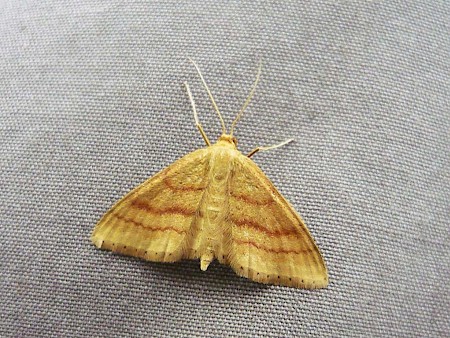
column 92, row 103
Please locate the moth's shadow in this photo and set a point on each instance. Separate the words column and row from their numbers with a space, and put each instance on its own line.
column 187, row 275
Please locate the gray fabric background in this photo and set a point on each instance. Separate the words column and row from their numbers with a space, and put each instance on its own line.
column 91, row 104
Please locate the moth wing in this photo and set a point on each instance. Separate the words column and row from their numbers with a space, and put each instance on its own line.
column 153, row 220
column 270, row 243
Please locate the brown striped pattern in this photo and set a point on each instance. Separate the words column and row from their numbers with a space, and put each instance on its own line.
column 270, row 250
column 246, row 222
column 147, row 207
column 146, row 227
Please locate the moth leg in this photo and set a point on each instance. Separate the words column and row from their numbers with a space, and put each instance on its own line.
column 197, row 123
column 254, row 151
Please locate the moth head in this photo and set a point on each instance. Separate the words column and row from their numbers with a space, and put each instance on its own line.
column 228, row 139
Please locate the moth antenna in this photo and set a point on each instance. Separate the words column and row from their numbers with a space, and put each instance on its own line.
column 249, row 97
column 224, row 129
column 197, row 122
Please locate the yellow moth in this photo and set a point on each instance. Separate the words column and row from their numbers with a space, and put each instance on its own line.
column 216, row 203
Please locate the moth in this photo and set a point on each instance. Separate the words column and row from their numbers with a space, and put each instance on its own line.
column 216, row 203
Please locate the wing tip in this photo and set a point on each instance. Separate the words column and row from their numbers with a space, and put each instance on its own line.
column 98, row 242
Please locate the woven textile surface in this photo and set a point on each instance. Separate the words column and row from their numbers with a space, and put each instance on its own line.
column 92, row 103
